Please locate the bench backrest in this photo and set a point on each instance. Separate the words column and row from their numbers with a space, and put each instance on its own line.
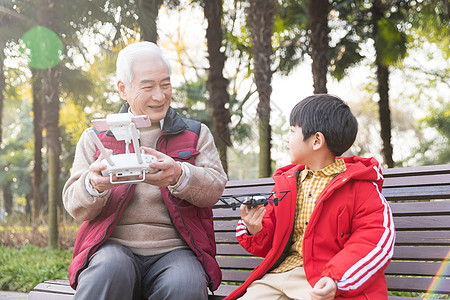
column 420, row 201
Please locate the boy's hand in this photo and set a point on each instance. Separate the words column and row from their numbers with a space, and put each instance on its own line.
column 253, row 217
column 324, row 289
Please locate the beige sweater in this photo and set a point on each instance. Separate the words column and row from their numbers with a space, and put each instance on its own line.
column 145, row 226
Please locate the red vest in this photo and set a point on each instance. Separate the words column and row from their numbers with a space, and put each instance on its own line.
column 194, row 224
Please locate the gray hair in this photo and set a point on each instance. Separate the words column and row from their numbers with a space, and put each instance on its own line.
column 127, row 55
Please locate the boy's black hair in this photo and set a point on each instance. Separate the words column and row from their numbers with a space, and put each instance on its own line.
column 329, row 115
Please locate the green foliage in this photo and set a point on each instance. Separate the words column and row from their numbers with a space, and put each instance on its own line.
column 431, row 22
column 390, row 42
column 290, row 39
column 345, row 55
column 189, row 100
column 17, row 153
column 440, row 119
column 22, row 269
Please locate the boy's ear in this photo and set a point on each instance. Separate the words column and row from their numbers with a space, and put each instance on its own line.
column 319, row 141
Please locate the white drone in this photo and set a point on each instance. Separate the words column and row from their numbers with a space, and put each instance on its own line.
column 124, row 127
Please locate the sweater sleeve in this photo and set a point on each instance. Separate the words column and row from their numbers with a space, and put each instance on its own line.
column 207, row 178
column 77, row 201
column 261, row 243
column 369, row 247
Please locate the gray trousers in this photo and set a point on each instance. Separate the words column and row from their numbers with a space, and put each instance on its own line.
column 114, row 272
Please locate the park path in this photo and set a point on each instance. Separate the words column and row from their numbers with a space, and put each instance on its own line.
column 6, row 295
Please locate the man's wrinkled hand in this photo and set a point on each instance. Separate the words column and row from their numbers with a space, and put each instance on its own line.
column 97, row 180
column 169, row 170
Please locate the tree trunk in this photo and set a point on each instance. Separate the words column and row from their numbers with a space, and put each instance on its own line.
column 385, row 113
column 318, row 11
column 217, row 84
column 48, row 15
column 260, row 18
column 378, row 11
column 8, row 198
column 2, row 88
column 37, row 130
column 2, row 100
column 148, row 14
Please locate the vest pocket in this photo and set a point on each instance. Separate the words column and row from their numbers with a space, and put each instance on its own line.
column 186, row 154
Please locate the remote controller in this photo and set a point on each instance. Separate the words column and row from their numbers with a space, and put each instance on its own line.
column 127, row 165
column 123, row 126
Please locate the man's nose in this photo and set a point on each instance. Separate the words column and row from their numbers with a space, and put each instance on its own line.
column 158, row 94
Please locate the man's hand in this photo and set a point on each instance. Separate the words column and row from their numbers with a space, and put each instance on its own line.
column 98, row 181
column 324, row 289
column 253, row 217
column 170, row 170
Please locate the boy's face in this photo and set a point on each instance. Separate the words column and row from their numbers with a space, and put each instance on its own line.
column 300, row 151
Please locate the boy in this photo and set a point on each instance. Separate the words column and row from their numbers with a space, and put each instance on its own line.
column 332, row 236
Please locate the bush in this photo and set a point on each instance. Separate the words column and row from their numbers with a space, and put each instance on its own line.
column 17, row 233
column 23, row 268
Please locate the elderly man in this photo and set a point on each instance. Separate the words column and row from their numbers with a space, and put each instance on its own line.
column 154, row 239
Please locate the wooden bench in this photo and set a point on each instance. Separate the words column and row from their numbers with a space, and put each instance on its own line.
column 420, row 201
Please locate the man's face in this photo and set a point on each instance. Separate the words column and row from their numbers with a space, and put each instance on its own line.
column 150, row 91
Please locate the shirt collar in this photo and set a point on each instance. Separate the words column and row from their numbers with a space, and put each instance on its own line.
column 337, row 167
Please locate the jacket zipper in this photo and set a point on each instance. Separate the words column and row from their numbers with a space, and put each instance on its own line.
column 211, row 283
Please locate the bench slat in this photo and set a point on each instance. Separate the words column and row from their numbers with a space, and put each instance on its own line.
column 417, row 193
column 420, row 208
column 231, row 249
column 248, row 190
column 52, row 290
column 416, row 268
column 239, row 262
column 431, row 237
column 416, row 284
column 435, row 253
column 422, row 237
column 391, row 194
column 222, row 291
column 414, row 171
column 439, row 207
column 222, row 212
column 408, row 298
column 422, row 222
column 234, row 275
column 421, row 180
column 401, row 223
column 429, row 253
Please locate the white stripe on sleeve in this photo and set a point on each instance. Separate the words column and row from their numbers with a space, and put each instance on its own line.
column 360, row 272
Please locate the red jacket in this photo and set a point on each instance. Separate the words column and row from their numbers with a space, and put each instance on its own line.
column 349, row 237
column 195, row 224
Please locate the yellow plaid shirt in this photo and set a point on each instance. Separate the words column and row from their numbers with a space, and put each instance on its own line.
column 310, row 185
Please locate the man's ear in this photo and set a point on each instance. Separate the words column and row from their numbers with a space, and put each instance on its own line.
column 319, row 141
column 121, row 88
